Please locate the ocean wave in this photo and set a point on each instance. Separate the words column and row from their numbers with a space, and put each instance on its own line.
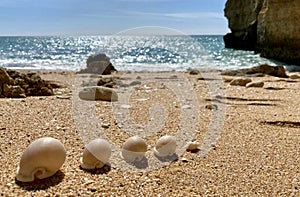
column 126, row 52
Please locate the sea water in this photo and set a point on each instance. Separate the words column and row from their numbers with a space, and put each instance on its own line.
column 134, row 53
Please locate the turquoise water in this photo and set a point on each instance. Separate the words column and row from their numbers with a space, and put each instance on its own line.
column 151, row 53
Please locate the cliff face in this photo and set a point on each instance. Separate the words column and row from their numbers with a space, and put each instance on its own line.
column 242, row 18
column 270, row 27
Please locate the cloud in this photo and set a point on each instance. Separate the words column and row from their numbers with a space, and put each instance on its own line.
column 180, row 15
column 195, row 15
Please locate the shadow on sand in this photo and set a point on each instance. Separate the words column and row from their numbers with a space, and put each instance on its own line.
column 42, row 184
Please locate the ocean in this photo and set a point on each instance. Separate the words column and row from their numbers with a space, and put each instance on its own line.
column 127, row 53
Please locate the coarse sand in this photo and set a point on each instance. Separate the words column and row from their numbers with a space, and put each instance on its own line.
column 257, row 152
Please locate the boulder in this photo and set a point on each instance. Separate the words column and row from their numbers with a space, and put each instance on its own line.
column 257, row 84
column 94, row 93
column 15, row 84
column 13, row 91
column 5, row 78
column 241, row 81
column 98, row 64
column 97, row 57
column 277, row 71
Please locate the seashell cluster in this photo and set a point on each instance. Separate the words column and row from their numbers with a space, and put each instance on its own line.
column 96, row 154
column 134, row 149
column 41, row 159
column 165, row 146
column 45, row 156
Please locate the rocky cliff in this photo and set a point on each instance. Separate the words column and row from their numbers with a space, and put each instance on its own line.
column 270, row 27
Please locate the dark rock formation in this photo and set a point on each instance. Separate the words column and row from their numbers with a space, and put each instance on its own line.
column 98, row 64
column 270, row 27
column 14, row 84
column 242, row 17
column 109, row 82
column 277, row 71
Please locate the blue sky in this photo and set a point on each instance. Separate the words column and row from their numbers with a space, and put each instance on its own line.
column 96, row 17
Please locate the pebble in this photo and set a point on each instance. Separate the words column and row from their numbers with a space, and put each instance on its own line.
column 194, row 72
column 186, row 107
column 192, row 146
column 211, row 107
column 240, row 81
column 63, row 97
column 134, row 83
column 258, row 84
column 294, row 76
column 125, row 106
column 184, row 160
column 142, row 99
column 105, row 126
column 98, row 93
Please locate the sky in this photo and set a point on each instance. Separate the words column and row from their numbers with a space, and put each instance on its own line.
column 102, row 17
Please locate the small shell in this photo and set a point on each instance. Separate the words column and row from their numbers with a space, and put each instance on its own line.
column 41, row 159
column 192, row 146
column 96, row 154
column 165, row 146
column 134, row 149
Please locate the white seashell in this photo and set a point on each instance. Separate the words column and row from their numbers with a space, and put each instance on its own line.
column 134, row 149
column 165, row 146
column 192, row 146
column 96, row 154
column 184, row 160
column 41, row 159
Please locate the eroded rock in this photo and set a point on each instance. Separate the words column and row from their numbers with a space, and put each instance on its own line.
column 14, row 84
column 241, row 81
column 277, row 71
column 98, row 64
column 256, row 84
column 94, row 93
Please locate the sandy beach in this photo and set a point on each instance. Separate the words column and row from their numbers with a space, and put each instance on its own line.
column 256, row 154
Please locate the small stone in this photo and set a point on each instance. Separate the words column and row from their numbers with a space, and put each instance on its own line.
column 241, row 81
column 134, row 83
column 184, row 160
column 294, row 76
column 194, row 72
column 211, row 107
column 227, row 79
column 106, row 82
column 63, row 97
column 125, row 106
column 255, row 84
column 93, row 93
column 105, row 126
column 186, row 107
column 142, row 99
column 192, row 146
